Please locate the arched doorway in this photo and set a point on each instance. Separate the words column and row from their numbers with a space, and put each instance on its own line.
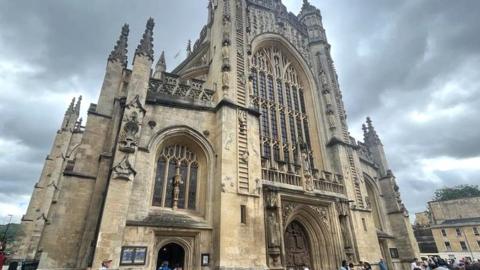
column 172, row 253
column 297, row 248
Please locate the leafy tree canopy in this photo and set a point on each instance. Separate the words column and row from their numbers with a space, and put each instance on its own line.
column 456, row 192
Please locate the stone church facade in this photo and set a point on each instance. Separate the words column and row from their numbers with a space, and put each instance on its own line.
column 240, row 158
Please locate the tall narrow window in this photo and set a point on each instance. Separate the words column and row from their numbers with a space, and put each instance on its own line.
column 444, row 233
column 280, row 94
column 475, row 231
column 176, row 178
column 459, row 233
column 463, row 245
column 243, row 214
column 448, row 247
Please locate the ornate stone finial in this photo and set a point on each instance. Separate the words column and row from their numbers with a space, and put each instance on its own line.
column 119, row 52
column 189, row 47
column 77, row 106
column 369, row 123
column 71, row 107
column 145, row 48
column 369, row 133
column 160, row 67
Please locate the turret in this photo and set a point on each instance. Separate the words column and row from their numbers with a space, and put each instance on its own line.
column 161, row 67
column 311, row 17
column 117, row 62
column 375, row 146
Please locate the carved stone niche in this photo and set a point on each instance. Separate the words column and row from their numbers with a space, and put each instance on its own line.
column 272, row 223
column 134, row 113
column 128, row 137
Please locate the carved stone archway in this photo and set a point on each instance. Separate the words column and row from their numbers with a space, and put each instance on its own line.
column 316, row 223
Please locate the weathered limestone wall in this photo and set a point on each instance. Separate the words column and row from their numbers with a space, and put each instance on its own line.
column 454, row 209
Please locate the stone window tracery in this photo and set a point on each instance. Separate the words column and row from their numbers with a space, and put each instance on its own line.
column 176, row 178
column 279, row 96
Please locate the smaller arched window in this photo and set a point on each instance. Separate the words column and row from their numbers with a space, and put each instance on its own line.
column 176, row 178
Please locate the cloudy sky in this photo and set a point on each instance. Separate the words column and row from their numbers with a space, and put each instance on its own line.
column 412, row 65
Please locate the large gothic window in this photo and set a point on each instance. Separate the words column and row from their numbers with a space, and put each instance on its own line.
column 176, row 178
column 278, row 95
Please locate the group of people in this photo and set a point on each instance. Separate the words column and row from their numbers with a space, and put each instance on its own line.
column 437, row 263
column 165, row 266
column 362, row 265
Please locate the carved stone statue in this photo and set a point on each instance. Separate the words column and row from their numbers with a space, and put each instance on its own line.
column 242, row 120
column 225, row 80
column 177, row 181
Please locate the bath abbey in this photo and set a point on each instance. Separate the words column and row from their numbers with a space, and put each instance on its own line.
column 238, row 158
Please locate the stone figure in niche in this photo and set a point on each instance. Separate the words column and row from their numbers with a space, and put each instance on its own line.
column 271, row 200
column 328, row 97
column 242, row 121
column 226, row 30
column 342, row 209
column 305, row 162
column 225, row 80
column 331, row 120
column 309, row 186
column 244, row 157
column 129, row 136
column 225, row 57
column 177, row 181
column 273, row 229
column 323, row 78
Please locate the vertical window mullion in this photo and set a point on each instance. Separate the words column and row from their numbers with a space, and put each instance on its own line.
column 165, row 181
column 187, row 184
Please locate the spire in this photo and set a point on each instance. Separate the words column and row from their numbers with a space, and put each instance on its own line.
column 160, row 67
column 71, row 106
column 145, row 47
column 77, row 106
column 189, row 47
column 119, row 52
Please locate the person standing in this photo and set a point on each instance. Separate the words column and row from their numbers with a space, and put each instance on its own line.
column 344, row 265
column 382, row 264
column 2, row 259
column 164, row 266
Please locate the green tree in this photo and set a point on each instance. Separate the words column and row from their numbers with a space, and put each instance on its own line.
column 456, row 192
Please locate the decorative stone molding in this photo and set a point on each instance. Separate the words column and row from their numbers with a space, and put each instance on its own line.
column 124, row 170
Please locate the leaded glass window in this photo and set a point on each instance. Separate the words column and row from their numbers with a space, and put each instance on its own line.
column 176, row 178
column 280, row 96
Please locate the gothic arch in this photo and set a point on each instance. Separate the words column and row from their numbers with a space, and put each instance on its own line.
column 267, row 39
column 187, row 246
column 374, row 200
column 317, row 228
column 187, row 136
column 317, row 120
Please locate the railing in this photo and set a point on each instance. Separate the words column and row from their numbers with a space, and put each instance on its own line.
column 322, row 181
column 281, row 177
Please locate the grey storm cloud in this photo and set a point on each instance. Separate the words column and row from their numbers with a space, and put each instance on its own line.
column 413, row 66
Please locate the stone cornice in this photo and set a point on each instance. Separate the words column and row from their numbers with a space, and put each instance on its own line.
column 79, row 175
